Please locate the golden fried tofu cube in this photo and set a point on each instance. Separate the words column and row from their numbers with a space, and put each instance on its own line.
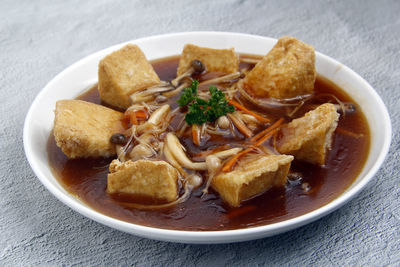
column 215, row 60
column 308, row 138
column 83, row 129
column 252, row 177
column 124, row 72
column 154, row 179
column 287, row 71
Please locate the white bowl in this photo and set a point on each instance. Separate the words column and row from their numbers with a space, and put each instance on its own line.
column 80, row 76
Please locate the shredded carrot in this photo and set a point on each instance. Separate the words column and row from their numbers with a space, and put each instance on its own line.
column 242, row 108
column 131, row 115
column 135, row 115
column 270, row 131
column 266, row 137
column 263, row 132
column 232, row 161
column 196, row 134
column 240, row 126
column 348, row 133
column 141, row 114
column 240, row 211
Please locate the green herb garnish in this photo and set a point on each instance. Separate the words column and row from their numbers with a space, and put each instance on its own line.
column 189, row 94
column 200, row 110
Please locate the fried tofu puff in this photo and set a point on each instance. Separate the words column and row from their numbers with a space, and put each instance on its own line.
column 153, row 179
column 252, row 177
column 215, row 60
column 83, row 129
column 310, row 137
column 123, row 73
column 287, row 71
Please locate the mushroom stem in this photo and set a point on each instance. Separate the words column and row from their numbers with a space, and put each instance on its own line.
column 155, row 121
column 171, row 159
column 272, row 102
column 196, row 66
column 175, row 147
column 158, row 89
column 225, row 78
column 159, row 114
column 182, row 129
column 120, row 152
column 159, row 85
column 218, row 132
column 227, row 153
column 123, row 151
column 213, row 166
column 151, row 92
column 175, row 82
column 141, row 97
column 177, row 90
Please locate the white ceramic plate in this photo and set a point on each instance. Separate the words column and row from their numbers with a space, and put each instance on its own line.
column 80, row 76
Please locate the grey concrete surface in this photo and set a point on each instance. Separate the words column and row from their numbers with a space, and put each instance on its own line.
column 38, row 39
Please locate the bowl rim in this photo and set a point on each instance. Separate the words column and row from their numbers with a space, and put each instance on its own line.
column 220, row 236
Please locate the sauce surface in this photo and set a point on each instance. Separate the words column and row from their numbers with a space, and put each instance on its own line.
column 318, row 185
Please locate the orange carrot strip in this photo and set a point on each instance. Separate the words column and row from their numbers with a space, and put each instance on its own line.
column 240, row 126
column 242, row 108
column 135, row 115
column 196, row 134
column 141, row 114
column 130, row 114
column 240, row 211
column 232, row 161
column 266, row 137
column 270, row 128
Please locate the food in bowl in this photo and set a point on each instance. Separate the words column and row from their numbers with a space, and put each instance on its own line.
column 209, row 140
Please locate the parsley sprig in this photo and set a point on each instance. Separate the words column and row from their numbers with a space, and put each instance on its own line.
column 200, row 110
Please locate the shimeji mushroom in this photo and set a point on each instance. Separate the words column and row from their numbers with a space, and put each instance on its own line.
column 171, row 159
column 178, row 84
column 195, row 67
column 223, row 122
column 213, row 166
column 158, row 115
column 341, row 107
column 151, row 92
column 156, row 118
column 190, row 182
column 273, row 102
column 155, row 124
column 175, row 147
column 227, row 153
column 223, row 79
column 184, row 80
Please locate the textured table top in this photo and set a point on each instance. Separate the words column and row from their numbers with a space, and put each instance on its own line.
column 38, row 39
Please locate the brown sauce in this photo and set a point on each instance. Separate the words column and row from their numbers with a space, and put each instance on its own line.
column 87, row 178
